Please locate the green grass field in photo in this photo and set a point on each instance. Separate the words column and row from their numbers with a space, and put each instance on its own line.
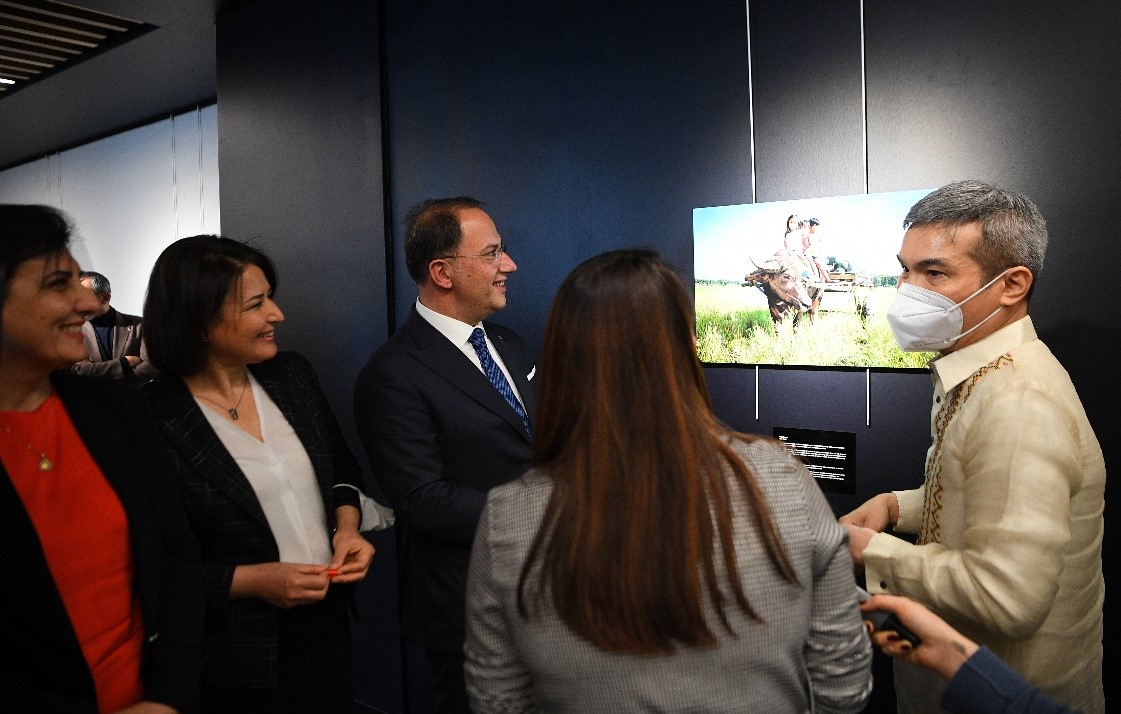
column 734, row 327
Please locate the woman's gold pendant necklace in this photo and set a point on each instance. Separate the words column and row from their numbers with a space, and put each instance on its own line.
column 232, row 411
column 45, row 463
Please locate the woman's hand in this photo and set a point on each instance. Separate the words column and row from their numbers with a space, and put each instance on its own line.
column 282, row 584
column 943, row 648
column 352, row 552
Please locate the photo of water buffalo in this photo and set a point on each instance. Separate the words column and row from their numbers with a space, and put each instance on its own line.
column 804, row 282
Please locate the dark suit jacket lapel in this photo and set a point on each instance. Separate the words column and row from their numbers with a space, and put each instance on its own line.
column 192, row 436
column 448, row 361
column 292, row 400
column 122, row 335
column 23, row 557
column 101, row 438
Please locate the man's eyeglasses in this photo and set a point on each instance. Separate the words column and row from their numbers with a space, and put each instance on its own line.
column 493, row 255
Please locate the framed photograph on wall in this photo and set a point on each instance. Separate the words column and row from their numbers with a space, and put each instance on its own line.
column 801, row 283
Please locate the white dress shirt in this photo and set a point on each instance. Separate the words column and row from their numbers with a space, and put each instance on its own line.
column 280, row 472
column 459, row 333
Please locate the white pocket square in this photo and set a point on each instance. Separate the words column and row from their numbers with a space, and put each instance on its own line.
column 529, row 377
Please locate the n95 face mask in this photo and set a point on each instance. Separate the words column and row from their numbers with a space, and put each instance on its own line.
column 925, row 321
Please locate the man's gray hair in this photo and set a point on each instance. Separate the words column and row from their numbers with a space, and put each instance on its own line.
column 98, row 282
column 1013, row 231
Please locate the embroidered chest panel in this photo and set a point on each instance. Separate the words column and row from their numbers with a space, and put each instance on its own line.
column 931, row 529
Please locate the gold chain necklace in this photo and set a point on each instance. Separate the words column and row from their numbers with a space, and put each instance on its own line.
column 231, row 410
column 45, row 463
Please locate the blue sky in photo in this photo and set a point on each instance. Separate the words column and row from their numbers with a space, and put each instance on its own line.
column 866, row 230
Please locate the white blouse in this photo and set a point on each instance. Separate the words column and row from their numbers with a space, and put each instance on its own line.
column 280, row 472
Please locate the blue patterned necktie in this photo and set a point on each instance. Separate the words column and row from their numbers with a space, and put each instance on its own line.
column 494, row 374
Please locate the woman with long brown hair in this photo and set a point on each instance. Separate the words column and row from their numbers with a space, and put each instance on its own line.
column 654, row 559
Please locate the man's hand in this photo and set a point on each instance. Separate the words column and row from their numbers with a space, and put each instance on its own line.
column 877, row 513
column 858, row 541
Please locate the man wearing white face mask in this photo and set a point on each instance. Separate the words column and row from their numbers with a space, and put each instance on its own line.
column 1009, row 517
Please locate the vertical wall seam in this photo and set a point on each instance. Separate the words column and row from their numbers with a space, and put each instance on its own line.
column 756, row 392
column 863, row 98
column 750, row 108
column 202, row 174
column 47, row 165
column 751, row 120
column 864, row 148
column 58, row 178
column 174, row 183
column 387, row 200
column 867, row 397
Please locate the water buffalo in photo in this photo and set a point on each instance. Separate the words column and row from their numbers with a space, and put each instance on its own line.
column 788, row 291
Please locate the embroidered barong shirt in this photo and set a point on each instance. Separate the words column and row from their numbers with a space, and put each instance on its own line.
column 1009, row 521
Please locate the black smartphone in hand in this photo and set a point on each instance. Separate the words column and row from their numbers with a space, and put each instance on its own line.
column 884, row 621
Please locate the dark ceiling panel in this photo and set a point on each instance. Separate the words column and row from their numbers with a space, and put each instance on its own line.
column 165, row 70
column 41, row 37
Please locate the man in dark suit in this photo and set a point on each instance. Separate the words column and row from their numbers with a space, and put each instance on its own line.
column 440, row 432
column 112, row 339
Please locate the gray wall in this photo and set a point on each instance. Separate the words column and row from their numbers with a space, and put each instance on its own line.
column 130, row 195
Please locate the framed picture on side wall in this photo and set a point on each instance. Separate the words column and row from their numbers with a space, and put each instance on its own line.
column 801, row 283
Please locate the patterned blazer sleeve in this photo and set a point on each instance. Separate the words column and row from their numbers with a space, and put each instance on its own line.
column 497, row 679
column 838, row 653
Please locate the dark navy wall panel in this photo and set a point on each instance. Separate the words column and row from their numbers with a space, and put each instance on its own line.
column 807, row 99
column 1022, row 95
column 299, row 147
column 583, row 126
column 587, row 127
column 892, row 429
column 300, row 160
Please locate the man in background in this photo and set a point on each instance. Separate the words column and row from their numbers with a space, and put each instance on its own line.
column 112, row 339
column 443, row 409
column 811, row 246
column 1009, row 517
